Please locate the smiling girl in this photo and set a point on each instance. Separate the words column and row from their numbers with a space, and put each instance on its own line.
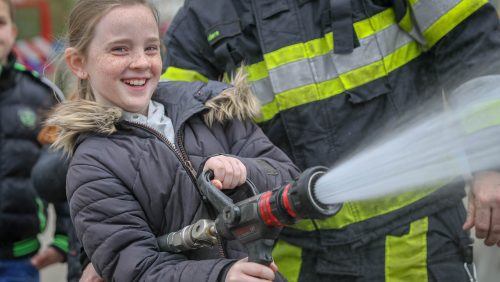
column 138, row 145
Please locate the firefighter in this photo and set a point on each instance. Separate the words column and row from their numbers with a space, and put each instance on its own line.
column 329, row 76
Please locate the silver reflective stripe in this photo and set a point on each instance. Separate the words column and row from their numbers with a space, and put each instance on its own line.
column 329, row 66
column 291, row 76
column 427, row 12
column 372, row 49
column 324, row 68
column 392, row 38
column 262, row 89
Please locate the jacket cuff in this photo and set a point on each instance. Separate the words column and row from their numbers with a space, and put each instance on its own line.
column 84, row 259
column 224, row 270
column 61, row 244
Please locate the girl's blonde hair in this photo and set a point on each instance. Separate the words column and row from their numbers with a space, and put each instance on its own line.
column 81, row 113
column 82, row 21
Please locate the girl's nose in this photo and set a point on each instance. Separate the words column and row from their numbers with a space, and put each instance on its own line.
column 140, row 61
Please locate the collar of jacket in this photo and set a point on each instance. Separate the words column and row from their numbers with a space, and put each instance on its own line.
column 185, row 99
column 181, row 100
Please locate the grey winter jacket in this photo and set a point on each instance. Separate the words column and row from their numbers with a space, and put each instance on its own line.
column 127, row 188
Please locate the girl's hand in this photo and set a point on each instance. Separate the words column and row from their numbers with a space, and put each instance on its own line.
column 250, row 272
column 229, row 172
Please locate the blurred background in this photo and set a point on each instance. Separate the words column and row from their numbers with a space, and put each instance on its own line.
column 41, row 25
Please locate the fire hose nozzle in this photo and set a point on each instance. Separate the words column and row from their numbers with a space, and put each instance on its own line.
column 302, row 199
column 294, row 201
column 194, row 236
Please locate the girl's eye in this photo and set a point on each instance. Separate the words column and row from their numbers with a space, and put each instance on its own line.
column 118, row 49
column 152, row 48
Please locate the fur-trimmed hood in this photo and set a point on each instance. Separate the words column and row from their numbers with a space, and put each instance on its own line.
column 219, row 101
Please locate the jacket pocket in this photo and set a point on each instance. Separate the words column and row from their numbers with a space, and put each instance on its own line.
column 338, row 262
column 223, row 40
column 369, row 91
column 273, row 7
column 219, row 31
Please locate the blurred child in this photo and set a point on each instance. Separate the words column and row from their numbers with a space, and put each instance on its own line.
column 24, row 98
column 138, row 146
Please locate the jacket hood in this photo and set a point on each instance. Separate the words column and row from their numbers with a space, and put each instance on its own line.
column 218, row 101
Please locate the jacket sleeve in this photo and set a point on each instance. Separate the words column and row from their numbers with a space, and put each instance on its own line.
column 267, row 166
column 113, row 229
column 467, row 64
column 469, row 50
column 49, row 176
column 49, row 180
column 189, row 57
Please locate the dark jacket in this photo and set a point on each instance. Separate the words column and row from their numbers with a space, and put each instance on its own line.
column 332, row 76
column 127, row 188
column 25, row 99
column 322, row 104
column 49, row 181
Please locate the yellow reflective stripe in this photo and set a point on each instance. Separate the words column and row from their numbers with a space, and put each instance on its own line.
column 297, row 96
column 178, row 74
column 363, row 75
column 374, row 24
column 406, row 23
column 451, row 19
column 288, row 258
column 314, row 92
column 257, row 71
column 481, row 117
column 406, row 256
column 268, row 111
column 402, row 56
column 321, row 46
column 25, row 247
column 353, row 212
column 286, row 55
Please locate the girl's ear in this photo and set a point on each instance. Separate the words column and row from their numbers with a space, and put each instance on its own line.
column 75, row 62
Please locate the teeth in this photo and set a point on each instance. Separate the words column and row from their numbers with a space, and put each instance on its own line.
column 135, row 82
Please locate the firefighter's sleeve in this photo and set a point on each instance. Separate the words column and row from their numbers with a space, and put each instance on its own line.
column 188, row 56
column 469, row 50
column 468, row 64
column 476, row 108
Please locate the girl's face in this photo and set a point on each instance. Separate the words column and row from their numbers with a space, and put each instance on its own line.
column 123, row 62
column 8, row 32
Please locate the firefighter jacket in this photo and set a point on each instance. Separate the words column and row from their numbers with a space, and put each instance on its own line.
column 24, row 99
column 330, row 75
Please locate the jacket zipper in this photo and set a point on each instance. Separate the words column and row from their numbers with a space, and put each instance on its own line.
column 183, row 159
column 186, row 164
column 180, row 144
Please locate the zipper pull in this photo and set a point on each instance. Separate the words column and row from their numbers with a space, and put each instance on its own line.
column 191, row 168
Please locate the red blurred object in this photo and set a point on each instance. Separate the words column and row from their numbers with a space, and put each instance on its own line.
column 35, row 52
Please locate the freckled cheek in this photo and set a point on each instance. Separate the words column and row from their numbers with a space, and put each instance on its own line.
column 156, row 65
column 111, row 66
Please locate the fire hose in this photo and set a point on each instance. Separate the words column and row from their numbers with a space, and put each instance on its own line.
column 256, row 221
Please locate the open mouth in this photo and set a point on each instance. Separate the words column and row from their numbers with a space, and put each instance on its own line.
column 135, row 82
